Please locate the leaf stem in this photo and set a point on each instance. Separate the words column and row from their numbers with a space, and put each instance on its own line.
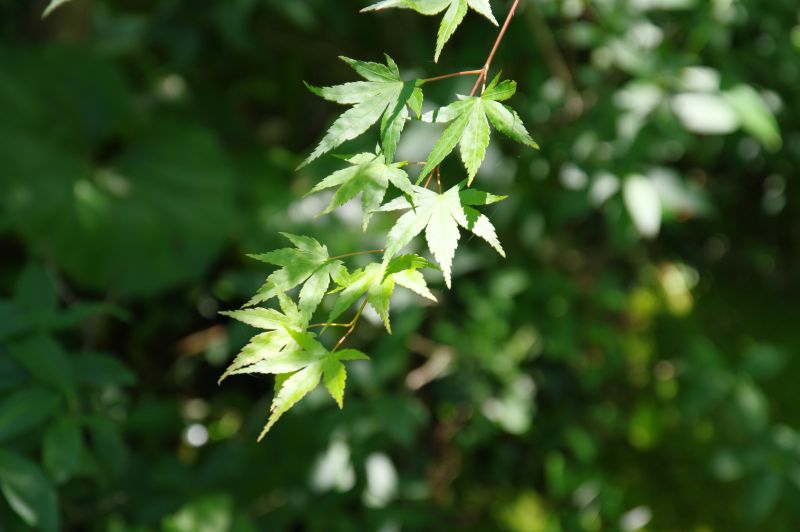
column 485, row 70
column 430, row 176
column 318, row 325
column 352, row 326
column 453, row 75
column 356, row 254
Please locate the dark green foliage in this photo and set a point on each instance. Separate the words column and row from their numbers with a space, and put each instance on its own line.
column 632, row 360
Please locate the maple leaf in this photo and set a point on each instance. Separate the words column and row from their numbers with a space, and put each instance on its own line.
column 469, row 127
column 302, row 372
column 454, row 13
column 268, row 344
column 368, row 175
column 291, row 353
column 308, row 263
column 377, row 283
column 382, row 96
column 439, row 215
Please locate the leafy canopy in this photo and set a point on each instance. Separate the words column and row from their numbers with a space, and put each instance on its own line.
column 286, row 348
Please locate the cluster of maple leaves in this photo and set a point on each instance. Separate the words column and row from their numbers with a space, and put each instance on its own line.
column 288, row 348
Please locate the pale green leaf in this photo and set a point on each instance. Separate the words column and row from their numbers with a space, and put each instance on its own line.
column 456, row 10
column 351, row 354
column 451, row 20
column 351, row 124
column 415, row 101
column 383, row 96
column 358, row 285
column 442, row 232
column 407, row 227
column 299, row 372
column 379, row 297
column 316, row 287
column 298, row 265
column 407, row 262
column 508, row 122
column 414, row 281
column 347, row 93
column 286, row 361
column 334, row 375
column 260, row 347
column 397, row 204
column 293, row 390
column 469, row 127
column 370, row 177
column 263, row 318
column 755, row 116
column 439, row 215
column 484, row 8
column 500, row 92
column 391, row 128
column 424, row 7
column 480, row 226
column 471, row 196
column 375, row 72
column 474, row 141
column 446, row 143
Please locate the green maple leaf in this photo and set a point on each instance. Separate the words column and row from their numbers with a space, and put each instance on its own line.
column 307, row 366
column 454, row 13
column 469, row 127
column 382, row 96
column 308, row 263
column 276, row 341
column 440, row 216
column 292, row 354
column 376, row 282
column 368, row 175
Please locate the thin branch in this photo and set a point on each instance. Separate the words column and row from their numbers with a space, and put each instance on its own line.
column 323, row 325
column 485, row 70
column 352, row 327
column 448, row 76
column 430, row 176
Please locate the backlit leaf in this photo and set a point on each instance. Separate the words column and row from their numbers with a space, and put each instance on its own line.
column 383, row 96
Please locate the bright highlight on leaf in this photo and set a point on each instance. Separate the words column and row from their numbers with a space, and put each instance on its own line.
column 307, row 263
column 440, row 216
column 368, row 176
column 382, row 96
column 454, row 13
column 376, row 282
column 469, row 127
